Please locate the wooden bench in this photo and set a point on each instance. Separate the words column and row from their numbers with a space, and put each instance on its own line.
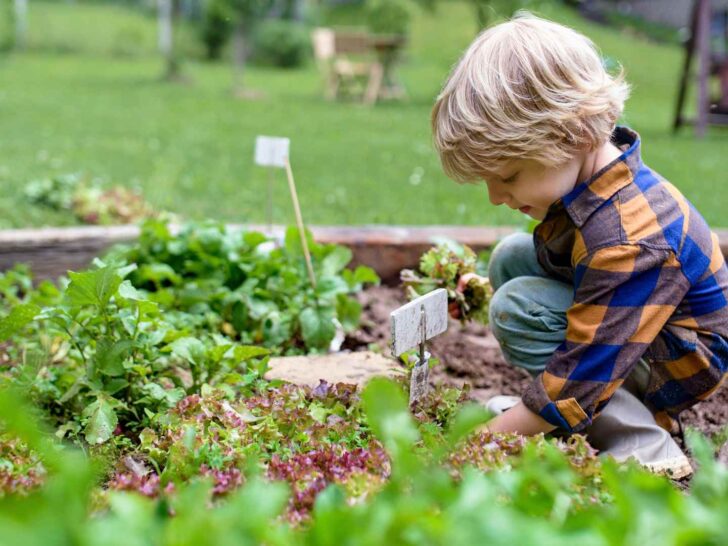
column 348, row 63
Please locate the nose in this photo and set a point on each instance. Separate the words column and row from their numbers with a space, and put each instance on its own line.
column 497, row 194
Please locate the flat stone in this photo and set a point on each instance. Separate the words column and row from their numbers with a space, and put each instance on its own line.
column 357, row 368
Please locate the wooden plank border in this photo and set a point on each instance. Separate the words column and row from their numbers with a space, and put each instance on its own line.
column 52, row 252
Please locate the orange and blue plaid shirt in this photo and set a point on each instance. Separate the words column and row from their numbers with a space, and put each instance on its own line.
column 649, row 282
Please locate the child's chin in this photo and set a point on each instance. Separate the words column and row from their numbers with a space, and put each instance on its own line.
column 536, row 214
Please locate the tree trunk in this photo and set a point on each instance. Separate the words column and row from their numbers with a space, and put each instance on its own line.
column 21, row 23
column 166, row 11
column 240, row 55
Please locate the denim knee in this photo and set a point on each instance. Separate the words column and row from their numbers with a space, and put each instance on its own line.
column 513, row 256
column 503, row 310
column 528, row 319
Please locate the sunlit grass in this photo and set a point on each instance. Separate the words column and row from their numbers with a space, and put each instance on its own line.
column 190, row 147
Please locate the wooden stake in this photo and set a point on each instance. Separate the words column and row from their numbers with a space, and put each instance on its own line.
column 299, row 222
column 269, row 205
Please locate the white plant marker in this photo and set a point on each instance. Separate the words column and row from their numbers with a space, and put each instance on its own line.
column 412, row 325
column 273, row 152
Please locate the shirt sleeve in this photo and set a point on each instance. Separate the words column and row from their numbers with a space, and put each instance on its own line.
column 623, row 296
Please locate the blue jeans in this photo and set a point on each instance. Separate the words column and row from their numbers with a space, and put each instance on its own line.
column 528, row 308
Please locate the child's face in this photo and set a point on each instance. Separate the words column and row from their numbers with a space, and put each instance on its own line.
column 529, row 186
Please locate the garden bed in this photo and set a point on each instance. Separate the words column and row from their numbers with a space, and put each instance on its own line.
column 153, row 361
column 468, row 354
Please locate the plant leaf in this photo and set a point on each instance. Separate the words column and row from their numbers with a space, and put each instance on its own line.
column 17, row 319
column 293, row 242
column 336, row 260
column 92, row 287
column 110, row 356
column 362, row 274
column 115, row 385
column 466, row 421
column 158, row 273
column 190, row 349
column 246, row 352
column 348, row 311
column 388, row 416
column 127, row 291
column 169, row 396
column 101, row 422
column 317, row 327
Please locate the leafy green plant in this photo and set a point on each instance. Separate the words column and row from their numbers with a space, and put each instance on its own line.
column 186, row 443
column 106, row 358
column 442, row 267
column 103, row 360
column 463, row 489
column 56, row 192
column 248, row 288
column 88, row 200
column 21, row 470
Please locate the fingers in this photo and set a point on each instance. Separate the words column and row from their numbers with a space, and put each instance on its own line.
column 464, row 280
column 454, row 309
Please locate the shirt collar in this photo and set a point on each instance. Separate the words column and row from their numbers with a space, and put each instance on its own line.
column 588, row 196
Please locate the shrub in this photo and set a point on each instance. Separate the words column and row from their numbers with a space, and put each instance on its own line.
column 281, row 43
column 217, row 27
column 388, row 16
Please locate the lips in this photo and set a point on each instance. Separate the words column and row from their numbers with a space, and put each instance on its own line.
column 525, row 210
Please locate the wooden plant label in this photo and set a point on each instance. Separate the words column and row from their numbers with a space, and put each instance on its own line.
column 406, row 322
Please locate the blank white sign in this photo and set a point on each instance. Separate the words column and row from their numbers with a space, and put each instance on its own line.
column 271, row 151
column 405, row 321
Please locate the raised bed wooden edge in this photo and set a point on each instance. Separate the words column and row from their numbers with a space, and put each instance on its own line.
column 52, row 252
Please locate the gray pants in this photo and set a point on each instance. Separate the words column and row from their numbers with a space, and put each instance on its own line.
column 528, row 318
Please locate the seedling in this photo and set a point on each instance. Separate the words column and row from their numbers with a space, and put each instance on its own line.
column 412, row 325
column 273, row 152
column 442, row 267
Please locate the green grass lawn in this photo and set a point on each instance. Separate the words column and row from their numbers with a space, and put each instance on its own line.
column 101, row 109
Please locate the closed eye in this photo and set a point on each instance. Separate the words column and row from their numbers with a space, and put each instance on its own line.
column 511, row 178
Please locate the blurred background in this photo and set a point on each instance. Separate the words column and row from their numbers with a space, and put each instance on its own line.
column 112, row 109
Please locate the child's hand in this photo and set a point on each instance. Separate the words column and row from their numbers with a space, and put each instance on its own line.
column 454, row 307
column 465, row 279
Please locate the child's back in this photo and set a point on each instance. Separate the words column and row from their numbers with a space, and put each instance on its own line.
column 649, row 279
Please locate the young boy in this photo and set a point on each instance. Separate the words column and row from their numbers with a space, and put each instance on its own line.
column 618, row 304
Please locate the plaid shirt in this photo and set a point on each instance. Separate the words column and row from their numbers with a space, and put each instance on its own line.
column 649, row 282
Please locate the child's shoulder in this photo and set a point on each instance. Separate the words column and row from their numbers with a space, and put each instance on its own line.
column 650, row 212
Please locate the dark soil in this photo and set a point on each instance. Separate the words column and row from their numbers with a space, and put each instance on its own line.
column 470, row 355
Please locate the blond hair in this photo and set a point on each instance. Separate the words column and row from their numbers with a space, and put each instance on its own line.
column 527, row 88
